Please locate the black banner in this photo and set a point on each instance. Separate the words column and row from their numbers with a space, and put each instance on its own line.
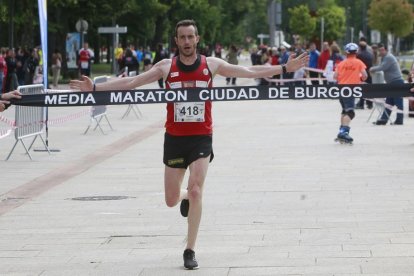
column 242, row 93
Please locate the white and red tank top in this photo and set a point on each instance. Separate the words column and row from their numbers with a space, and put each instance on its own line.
column 185, row 119
column 84, row 55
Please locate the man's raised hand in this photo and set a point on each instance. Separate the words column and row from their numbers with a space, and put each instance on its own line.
column 295, row 63
column 85, row 84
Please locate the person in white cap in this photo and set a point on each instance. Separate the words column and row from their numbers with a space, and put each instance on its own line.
column 349, row 71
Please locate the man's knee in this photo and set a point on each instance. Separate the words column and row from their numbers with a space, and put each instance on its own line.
column 194, row 192
column 172, row 200
column 349, row 113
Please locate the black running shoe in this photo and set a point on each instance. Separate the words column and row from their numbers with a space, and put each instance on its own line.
column 184, row 206
column 380, row 122
column 190, row 261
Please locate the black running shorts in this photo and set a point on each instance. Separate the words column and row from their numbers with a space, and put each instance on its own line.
column 181, row 151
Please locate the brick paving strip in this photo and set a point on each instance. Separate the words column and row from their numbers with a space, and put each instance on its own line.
column 24, row 193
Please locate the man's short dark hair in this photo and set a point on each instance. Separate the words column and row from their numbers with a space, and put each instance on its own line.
column 382, row 45
column 185, row 23
column 363, row 45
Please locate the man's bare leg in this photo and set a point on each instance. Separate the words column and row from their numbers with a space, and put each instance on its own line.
column 198, row 172
column 173, row 179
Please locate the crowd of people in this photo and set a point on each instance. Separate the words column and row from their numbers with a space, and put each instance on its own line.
column 130, row 60
column 21, row 66
column 24, row 66
column 325, row 60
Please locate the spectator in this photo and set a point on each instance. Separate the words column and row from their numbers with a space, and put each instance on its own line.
column 217, row 50
column 21, row 57
column 3, row 67
column 86, row 56
column 11, row 77
column 129, row 61
column 254, row 56
column 367, row 58
column 232, row 59
column 284, row 57
column 324, row 56
column 392, row 75
column 274, row 55
column 298, row 49
column 410, row 100
column 147, row 59
column 160, row 54
column 313, row 62
column 207, row 50
column 334, row 59
column 118, row 52
column 364, row 40
column 30, row 65
column 56, row 66
column 140, row 57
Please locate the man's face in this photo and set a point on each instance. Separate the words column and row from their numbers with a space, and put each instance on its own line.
column 312, row 46
column 382, row 52
column 187, row 40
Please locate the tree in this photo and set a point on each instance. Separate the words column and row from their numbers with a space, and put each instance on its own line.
column 233, row 14
column 301, row 22
column 255, row 21
column 334, row 18
column 391, row 16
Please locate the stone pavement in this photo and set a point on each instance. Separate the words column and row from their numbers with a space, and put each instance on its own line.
column 281, row 197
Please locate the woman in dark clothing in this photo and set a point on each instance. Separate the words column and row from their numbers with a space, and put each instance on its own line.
column 11, row 77
column 129, row 61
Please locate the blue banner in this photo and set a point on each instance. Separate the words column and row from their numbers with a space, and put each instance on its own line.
column 72, row 49
column 42, row 5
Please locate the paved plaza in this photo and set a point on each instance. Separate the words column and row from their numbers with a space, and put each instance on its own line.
column 281, row 197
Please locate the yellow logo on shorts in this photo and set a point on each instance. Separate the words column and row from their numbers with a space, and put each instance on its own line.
column 175, row 161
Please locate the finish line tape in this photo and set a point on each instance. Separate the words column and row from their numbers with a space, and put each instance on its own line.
column 243, row 93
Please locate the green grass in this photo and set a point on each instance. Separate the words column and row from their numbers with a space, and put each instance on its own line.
column 101, row 69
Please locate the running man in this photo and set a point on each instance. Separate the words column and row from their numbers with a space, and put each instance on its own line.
column 350, row 71
column 188, row 139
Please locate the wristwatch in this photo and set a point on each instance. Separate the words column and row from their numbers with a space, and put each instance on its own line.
column 284, row 68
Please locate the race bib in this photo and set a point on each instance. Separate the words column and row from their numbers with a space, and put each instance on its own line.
column 84, row 65
column 189, row 112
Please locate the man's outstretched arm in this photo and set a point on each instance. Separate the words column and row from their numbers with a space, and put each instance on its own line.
column 223, row 68
column 155, row 73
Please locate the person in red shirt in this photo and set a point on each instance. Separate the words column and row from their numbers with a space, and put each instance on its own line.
column 189, row 131
column 86, row 56
column 349, row 71
column 3, row 68
column 324, row 56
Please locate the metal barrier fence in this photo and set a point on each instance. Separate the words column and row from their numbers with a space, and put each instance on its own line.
column 29, row 120
column 98, row 112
